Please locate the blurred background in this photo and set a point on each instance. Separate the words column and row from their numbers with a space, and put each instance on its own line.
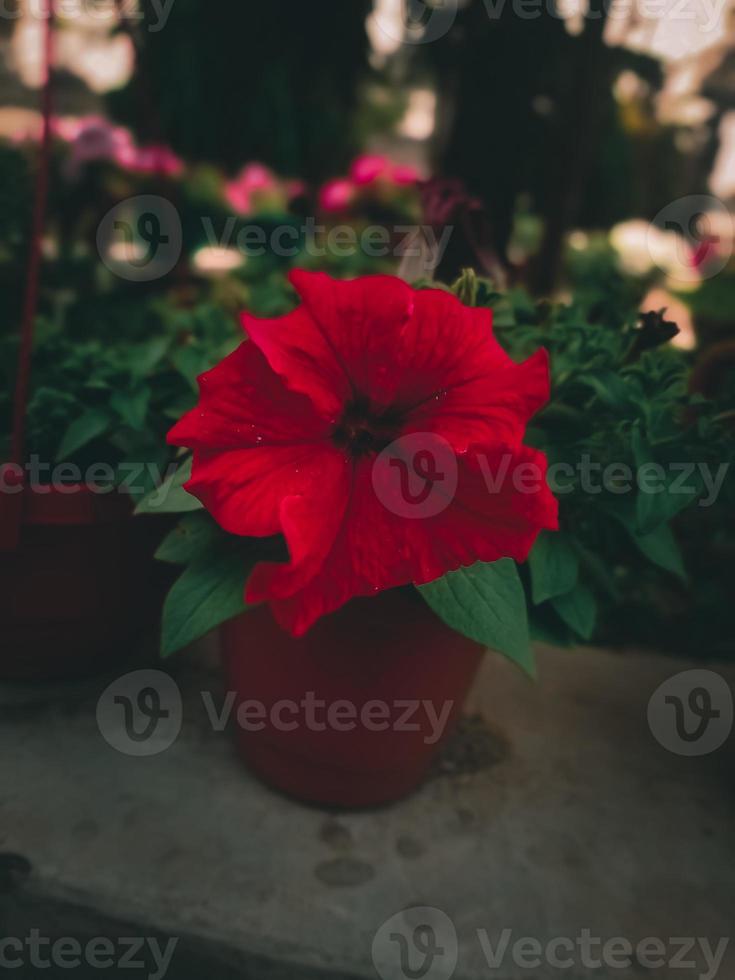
column 579, row 156
column 576, row 152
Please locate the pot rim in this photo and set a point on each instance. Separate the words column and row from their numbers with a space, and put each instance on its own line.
column 72, row 504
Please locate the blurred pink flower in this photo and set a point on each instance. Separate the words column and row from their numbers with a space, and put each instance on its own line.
column 404, row 174
column 369, row 167
column 154, row 159
column 336, row 195
column 92, row 138
column 253, row 178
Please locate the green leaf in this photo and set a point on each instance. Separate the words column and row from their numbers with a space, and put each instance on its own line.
column 193, row 536
column 578, row 609
column 661, row 548
column 82, row 431
column 662, row 494
column 597, row 568
column 170, row 497
column 132, row 406
column 144, row 357
column 554, row 566
column 209, row 592
column 485, row 602
column 190, row 362
column 611, row 388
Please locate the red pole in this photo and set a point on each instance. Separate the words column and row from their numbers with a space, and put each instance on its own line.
column 12, row 482
column 30, row 305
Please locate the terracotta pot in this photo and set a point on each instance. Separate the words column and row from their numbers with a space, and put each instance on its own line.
column 79, row 586
column 339, row 716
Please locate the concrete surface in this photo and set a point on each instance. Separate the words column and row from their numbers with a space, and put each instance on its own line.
column 554, row 811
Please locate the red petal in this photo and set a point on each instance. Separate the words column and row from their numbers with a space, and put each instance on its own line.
column 310, row 525
column 244, row 489
column 242, row 402
column 458, row 381
column 376, row 548
column 341, row 342
column 491, row 409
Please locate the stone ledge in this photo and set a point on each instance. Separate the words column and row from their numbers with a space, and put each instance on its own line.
column 555, row 810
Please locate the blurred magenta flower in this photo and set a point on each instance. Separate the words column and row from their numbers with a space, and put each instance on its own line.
column 94, row 138
column 90, row 139
column 370, row 167
column 367, row 168
column 337, row 195
column 371, row 179
column 154, row 159
column 256, row 186
column 405, row 174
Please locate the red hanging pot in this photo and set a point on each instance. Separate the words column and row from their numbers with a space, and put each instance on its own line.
column 80, row 584
column 77, row 574
column 353, row 713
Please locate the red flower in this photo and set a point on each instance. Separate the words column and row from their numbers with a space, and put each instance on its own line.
column 295, row 433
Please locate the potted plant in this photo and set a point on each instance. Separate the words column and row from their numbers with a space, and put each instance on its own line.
column 361, row 431
column 373, row 474
column 77, row 574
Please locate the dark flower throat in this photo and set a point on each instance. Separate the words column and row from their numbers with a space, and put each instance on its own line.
column 362, row 430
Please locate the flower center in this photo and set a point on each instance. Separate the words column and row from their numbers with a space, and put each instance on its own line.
column 361, row 430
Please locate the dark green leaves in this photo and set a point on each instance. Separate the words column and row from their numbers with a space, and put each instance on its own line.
column 554, row 566
column 170, row 497
column 191, row 538
column 485, row 602
column 578, row 609
column 132, row 406
column 663, row 490
column 661, row 548
column 211, row 587
column 209, row 592
column 83, row 430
